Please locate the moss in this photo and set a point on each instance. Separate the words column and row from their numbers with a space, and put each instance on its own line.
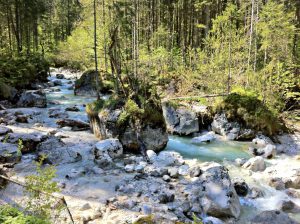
column 248, row 109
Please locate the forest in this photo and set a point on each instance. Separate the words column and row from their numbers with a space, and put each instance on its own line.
column 144, row 78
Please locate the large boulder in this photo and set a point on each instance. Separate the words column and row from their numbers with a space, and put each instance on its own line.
column 231, row 130
column 274, row 216
column 86, row 85
column 181, row 121
column 106, row 124
column 255, row 164
column 56, row 151
column 219, row 196
column 9, row 153
column 33, row 98
column 29, row 141
column 112, row 147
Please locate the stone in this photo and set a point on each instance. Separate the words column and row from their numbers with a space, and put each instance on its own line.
column 255, row 164
column 129, row 168
column 208, row 137
column 166, row 198
column 60, row 76
column 183, row 170
column 262, row 141
column 273, row 216
column 112, row 147
column 166, row 178
column 9, row 153
column 86, row 84
column 29, row 141
column 57, row 83
column 151, row 155
column 153, row 135
column 173, row 172
column 180, row 120
column 240, row 161
column 289, row 207
column 222, row 199
column 4, row 130
column 22, row 118
column 146, row 209
column 240, row 186
column 212, row 220
column 195, row 171
column 33, row 98
column 293, row 193
column 255, row 193
column 73, row 109
column 167, row 158
column 75, row 124
column 104, row 161
column 85, row 207
column 293, row 179
column 57, row 113
column 269, row 151
column 139, row 168
column 277, row 183
column 56, row 151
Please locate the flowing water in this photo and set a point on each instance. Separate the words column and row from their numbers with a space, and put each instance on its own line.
column 221, row 151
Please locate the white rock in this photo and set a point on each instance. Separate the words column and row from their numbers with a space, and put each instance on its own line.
column 152, row 155
column 208, row 137
column 183, row 170
column 255, row 164
column 112, row 147
column 129, row 168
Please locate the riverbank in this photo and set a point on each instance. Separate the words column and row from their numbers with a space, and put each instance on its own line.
column 170, row 187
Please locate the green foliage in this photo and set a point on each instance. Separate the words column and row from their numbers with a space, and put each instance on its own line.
column 10, row 215
column 196, row 220
column 40, row 203
column 248, row 108
column 20, row 147
column 20, row 72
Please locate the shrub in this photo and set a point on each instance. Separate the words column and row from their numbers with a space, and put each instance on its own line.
column 10, row 215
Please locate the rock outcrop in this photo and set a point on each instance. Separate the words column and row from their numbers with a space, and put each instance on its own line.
column 273, row 216
column 76, row 125
column 29, row 141
column 86, row 85
column 180, row 121
column 231, row 130
column 33, row 98
column 9, row 153
column 152, row 134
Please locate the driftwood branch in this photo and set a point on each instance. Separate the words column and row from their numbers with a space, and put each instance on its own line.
column 62, row 198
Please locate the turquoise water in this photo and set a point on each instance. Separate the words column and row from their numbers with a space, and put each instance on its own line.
column 217, row 150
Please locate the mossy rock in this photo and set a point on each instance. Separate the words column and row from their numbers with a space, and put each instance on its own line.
column 250, row 112
column 120, row 118
column 86, row 85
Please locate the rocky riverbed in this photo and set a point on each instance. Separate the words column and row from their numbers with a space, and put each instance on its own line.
column 101, row 184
